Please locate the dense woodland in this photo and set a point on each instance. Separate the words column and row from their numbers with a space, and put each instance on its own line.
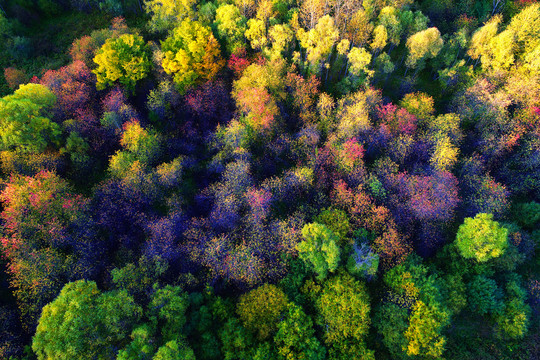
column 269, row 179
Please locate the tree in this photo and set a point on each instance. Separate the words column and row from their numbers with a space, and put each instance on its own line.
column 319, row 249
column 481, row 238
column 139, row 145
column 319, row 42
column 525, row 25
column 484, row 296
column 513, row 320
column 84, row 322
column 311, row 11
column 165, row 14
column 174, row 350
column 359, row 59
column 380, row 38
column 336, row 221
column 256, row 33
column 261, row 308
column 73, row 86
column 295, row 338
column 23, row 122
column 480, row 40
column 191, row 54
column 344, row 313
column 48, row 239
column 423, row 45
column 389, row 18
column 359, row 28
column 424, row 331
column 231, row 26
column 125, row 60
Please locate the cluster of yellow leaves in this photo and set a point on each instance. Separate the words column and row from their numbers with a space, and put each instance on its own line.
column 191, row 53
column 125, row 60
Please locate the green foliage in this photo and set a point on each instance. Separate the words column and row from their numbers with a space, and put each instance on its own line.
column 344, row 313
column 139, row 145
column 481, row 238
column 513, row 321
column 174, row 350
column 94, row 324
column 23, row 122
column 319, row 249
column 260, row 309
column 124, row 60
column 391, row 321
column 238, row 342
column 295, row 338
column 424, row 331
column 484, row 296
column 527, row 214
column 336, row 220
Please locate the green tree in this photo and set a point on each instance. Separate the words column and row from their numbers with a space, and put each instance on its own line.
column 261, row 308
column 336, row 220
column 174, row 350
column 513, row 321
column 424, row 331
column 344, row 314
column 84, row 323
column 139, row 144
column 191, row 54
column 24, row 125
column 319, row 249
column 484, row 295
column 123, row 60
column 295, row 338
column 481, row 238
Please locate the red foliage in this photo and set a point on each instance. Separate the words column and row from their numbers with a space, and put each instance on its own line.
column 15, row 77
column 398, row 120
column 238, row 62
column 427, row 197
column 259, row 105
column 259, row 203
column 304, row 93
column 392, row 248
column 83, row 49
column 209, row 103
column 73, row 86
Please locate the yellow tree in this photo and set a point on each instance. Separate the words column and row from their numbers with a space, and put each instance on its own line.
column 165, row 14
column 423, row 45
column 124, row 60
column 190, row 54
column 380, row 38
column 281, row 37
column 311, row 11
column 359, row 28
column 231, row 26
column 481, row 38
column 256, row 33
column 319, row 42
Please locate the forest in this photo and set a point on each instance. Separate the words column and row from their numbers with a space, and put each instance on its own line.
column 269, row 179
